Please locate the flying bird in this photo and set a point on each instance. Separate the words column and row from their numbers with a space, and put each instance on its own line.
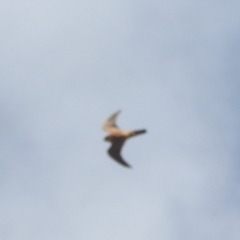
column 117, row 137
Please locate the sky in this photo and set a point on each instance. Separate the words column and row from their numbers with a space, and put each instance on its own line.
column 172, row 67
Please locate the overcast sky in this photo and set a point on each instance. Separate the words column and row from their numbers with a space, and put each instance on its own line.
column 172, row 67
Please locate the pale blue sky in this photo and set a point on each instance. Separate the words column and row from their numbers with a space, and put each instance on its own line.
column 172, row 67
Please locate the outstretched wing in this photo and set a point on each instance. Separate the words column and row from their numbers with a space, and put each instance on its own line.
column 110, row 124
column 115, row 151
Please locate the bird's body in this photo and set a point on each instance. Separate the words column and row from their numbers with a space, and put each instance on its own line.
column 118, row 137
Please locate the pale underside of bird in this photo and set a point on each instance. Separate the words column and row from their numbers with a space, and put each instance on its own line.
column 117, row 137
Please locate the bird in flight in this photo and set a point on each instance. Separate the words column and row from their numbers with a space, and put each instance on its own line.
column 117, row 137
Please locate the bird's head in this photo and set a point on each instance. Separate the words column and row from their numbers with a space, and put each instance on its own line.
column 107, row 139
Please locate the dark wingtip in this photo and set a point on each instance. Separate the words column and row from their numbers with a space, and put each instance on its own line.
column 128, row 166
column 124, row 164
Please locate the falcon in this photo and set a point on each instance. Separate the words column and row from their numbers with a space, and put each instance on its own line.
column 117, row 138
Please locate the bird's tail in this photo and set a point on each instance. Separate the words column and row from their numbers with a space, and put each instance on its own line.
column 137, row 132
